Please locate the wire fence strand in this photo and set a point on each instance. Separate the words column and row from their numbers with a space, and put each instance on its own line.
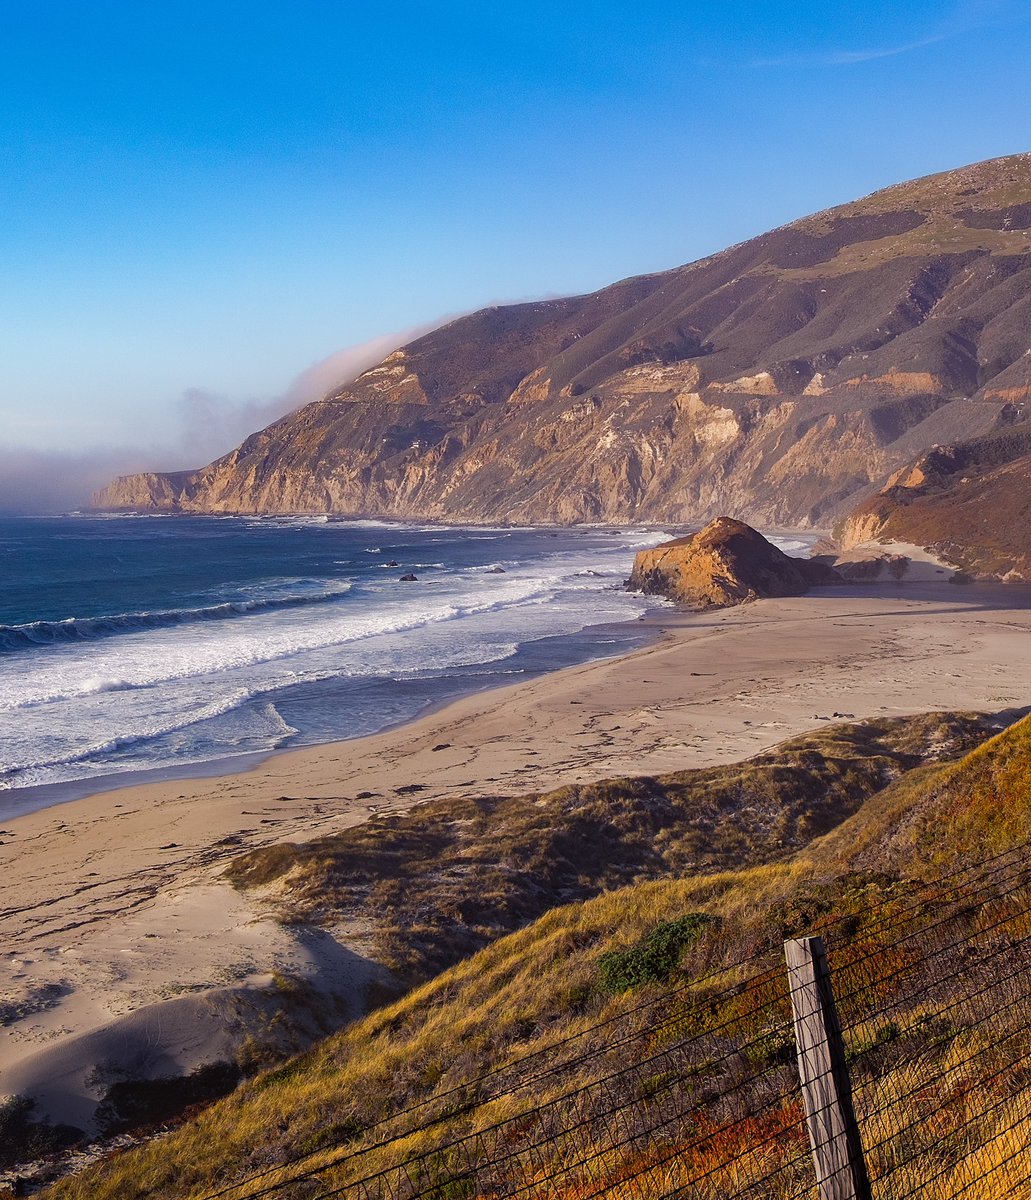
column 693, row 1093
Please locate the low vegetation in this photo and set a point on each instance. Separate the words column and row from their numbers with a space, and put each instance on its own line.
column 656, row 958
column 666, row 962
column 450, row 877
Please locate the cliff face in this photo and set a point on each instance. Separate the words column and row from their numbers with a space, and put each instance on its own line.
column 726, row 563
column 783, row 379
column 969, row 503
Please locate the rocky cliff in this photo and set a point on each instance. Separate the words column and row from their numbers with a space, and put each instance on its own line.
column 968, row 503
column 726, row 563
column 783, row 379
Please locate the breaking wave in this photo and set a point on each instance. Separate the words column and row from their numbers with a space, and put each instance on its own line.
column 81, row 629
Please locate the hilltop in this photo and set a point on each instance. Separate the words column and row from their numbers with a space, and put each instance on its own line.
column 784, row 379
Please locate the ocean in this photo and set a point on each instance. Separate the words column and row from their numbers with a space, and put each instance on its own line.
column 135, row 644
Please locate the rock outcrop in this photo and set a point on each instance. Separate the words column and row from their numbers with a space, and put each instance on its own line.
column 784, row 379
column 969, row 504
column 724, row 564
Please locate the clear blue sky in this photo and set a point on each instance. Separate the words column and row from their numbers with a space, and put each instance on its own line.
column 214, row 196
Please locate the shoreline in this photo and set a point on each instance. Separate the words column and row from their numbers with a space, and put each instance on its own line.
column 32, row 794
column 22, row 801
column 672, row 630
column 669, row 629
column 116, row 904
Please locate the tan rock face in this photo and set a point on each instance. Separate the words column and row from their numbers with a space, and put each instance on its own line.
column 724, row 564
column 761, row 384
column 784, row 380
column 394, row 381
column 533, row 389
column 969, row 504
column 904, row 383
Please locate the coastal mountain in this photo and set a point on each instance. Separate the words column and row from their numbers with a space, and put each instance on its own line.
column 784, row 379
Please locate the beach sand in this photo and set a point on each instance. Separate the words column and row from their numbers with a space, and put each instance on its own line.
column 115, row 902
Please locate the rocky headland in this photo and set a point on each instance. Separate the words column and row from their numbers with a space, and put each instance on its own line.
column 725, row 563
column 968, row 503
column 786, row 380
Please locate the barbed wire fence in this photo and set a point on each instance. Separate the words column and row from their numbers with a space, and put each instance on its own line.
column 696, row 1093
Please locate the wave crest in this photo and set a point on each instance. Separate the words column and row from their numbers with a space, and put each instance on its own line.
column 80, row 629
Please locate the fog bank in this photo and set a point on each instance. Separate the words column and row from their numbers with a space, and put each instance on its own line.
column 208, row 425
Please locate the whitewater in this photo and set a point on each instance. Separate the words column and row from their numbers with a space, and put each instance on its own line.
column 133, row 644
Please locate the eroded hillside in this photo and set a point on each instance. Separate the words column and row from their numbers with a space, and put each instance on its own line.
column 970, row 503
column 780, row 380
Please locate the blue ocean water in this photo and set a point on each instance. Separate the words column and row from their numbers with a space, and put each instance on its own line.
column 134, row 643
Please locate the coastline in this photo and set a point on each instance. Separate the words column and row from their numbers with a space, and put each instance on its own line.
column 190, row 691
column 118, row 900
column 19, row 802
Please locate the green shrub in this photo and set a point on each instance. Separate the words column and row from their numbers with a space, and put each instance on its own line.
column 654, row 959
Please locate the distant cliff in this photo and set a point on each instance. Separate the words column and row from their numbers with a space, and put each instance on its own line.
column 724, row 564
column 784, row 379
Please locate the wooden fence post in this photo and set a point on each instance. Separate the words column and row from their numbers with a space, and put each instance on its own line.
column 826, row 1090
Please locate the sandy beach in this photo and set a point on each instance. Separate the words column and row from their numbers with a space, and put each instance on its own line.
column 114, row 904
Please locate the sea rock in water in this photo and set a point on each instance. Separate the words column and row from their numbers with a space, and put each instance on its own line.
column 496, row 571
column 726, row 563
column 409, row 579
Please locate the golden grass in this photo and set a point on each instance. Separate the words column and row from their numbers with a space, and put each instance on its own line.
column 527, row 993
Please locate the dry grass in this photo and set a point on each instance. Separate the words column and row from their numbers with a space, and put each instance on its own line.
column 448, row 878
column 921, row 1042
column 939, row 235
column 994, row 184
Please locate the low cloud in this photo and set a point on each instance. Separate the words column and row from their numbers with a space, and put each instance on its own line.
column 209, row 425
column 844, row 58
column 963, row 17
column 38, row 481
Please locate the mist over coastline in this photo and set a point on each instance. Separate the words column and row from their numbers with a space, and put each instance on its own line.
column 205, row 426
column 39, row 482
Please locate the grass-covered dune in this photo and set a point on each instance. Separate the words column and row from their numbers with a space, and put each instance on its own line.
column 447, row 878
column 683, row 969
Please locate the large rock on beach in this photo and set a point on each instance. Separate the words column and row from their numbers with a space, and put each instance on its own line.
column 726, row 563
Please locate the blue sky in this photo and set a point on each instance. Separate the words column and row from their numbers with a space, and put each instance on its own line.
column 200, row 200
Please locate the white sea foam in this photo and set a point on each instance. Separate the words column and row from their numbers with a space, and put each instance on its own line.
column 74, row 629
column 796, row 547
column 191, row 687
